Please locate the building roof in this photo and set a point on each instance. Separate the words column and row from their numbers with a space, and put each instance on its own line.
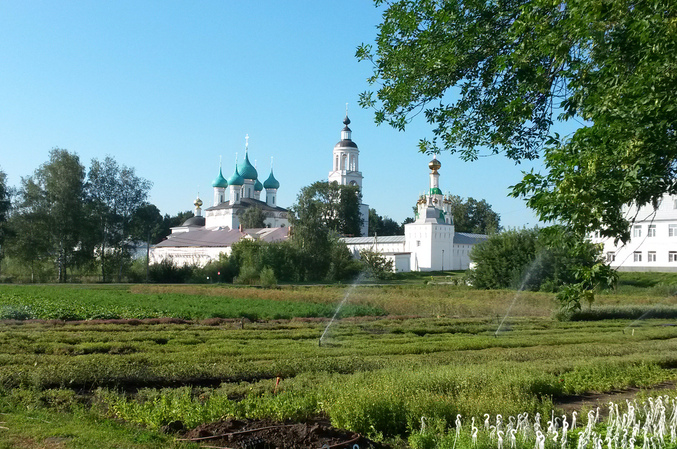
column 222, row 237
column 194, row 221
column 258, row 186
column 369, row 240
column 220, row 181
column 467, row 238
column 246, row 169
column 236, row 179
column 345, row 143
column 247, row 202
column 271, row 182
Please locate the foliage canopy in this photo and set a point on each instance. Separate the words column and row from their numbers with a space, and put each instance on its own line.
column 537, row 259
column 474, row 216
column 495, row 75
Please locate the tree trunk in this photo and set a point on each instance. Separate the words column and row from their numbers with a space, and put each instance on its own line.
column 147, row 256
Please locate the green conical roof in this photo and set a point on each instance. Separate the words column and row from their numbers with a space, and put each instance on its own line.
column 271, row 182
column 246, row 169
column 236, row 179
column 220, row 181
column 258, row 186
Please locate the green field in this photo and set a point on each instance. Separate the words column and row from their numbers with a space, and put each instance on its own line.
column 397, row 353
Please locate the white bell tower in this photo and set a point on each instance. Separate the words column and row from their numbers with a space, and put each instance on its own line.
column 346, row 168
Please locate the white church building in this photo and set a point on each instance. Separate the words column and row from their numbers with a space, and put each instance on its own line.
column 430, row 243
column 653, row 239
column 201, row 239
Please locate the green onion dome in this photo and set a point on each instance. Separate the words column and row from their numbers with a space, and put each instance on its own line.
column 246, row 169
column 258, row 186
column 435, row 191
column 220, row 181
column 271, row 182
column 236, row 179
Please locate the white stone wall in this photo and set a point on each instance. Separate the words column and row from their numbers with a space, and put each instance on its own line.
column 187, row 255
column 380, row 247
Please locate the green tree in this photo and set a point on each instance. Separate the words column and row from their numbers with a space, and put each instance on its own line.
column 252, row 217
column 169, row 222
column 147, row 226
column 376, row 265
column 329, row 205
column 474, row 216
column 51, row 201
column 116, row 193
column 4, row 211
column 536, row 259
column 379, row 225
column 321, row 213
column 493, row 76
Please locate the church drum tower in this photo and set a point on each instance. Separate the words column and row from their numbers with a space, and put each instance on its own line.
column 346, row 169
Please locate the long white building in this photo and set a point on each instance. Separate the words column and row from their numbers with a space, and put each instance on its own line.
column 653, row 242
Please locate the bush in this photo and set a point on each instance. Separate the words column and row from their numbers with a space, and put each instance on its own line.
column 267, row 277
column 222, row 270
column 168, row 272
column 248, row 276
column 531, row 259
column 375, row 264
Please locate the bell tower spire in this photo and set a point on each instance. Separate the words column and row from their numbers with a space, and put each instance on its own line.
column 346, row 167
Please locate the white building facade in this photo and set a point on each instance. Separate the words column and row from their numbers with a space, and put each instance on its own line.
column 430, row 243
column 653, row 239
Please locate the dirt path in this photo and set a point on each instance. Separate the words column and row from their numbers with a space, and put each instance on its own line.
column 601, row 400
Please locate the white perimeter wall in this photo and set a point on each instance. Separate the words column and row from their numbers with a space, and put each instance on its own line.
column 187, row 255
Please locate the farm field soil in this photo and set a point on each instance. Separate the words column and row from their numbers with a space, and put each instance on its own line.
column 265, row 433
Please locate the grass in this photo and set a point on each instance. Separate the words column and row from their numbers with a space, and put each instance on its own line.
column 435, row 353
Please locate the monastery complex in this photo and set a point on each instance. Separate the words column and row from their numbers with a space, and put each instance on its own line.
column 429, row 243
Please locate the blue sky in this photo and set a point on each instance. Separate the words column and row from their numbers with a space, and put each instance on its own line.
column 167, row 87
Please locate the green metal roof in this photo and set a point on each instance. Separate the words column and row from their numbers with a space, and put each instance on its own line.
column 435, row 191
column 258, row 186
column 246, row 169
column 236, row 179
column 271, row 182
column 220, row 181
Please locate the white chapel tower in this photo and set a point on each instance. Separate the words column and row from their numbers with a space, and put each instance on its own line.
column 430, row 238
column 346, row 169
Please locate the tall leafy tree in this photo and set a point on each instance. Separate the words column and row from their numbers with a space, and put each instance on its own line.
column 252, row 217
column 494, row 76
column 329, row 205
column 169, row 222
column 379, row 225
column 321, row 213
column 4, row 211
column 116, row 193
column 50, row 212
column 147, row 226
column 474, row 216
